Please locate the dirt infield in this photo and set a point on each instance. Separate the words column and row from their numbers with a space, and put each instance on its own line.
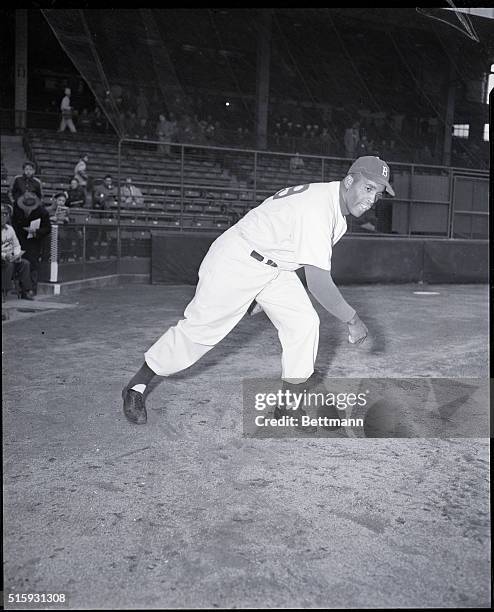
column 186, row 513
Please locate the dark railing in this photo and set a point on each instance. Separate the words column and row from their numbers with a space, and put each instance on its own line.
column 436, row 201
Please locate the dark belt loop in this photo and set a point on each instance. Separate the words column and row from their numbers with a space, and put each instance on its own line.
column 260, row 258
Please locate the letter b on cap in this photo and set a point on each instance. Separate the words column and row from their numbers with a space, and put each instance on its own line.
column 385, row 171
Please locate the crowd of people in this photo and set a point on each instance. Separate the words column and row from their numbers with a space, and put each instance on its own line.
column 25, row 225
column 291, row 127
column 27, row 219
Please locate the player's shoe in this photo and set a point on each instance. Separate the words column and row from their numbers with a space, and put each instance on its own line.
column 134, row 407
column 281, row 411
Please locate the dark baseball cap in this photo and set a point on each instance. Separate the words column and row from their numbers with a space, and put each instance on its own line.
column 374, row 169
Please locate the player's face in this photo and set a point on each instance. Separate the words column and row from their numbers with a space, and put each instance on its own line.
column 29, row 171
column 362, row 194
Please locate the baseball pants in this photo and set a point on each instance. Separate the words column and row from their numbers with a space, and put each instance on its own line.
column 229, row 279
column 66, row 122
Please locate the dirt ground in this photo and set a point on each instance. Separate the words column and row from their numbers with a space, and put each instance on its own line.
column 185, row 512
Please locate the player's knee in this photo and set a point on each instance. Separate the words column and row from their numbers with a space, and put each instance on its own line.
column 310, row 322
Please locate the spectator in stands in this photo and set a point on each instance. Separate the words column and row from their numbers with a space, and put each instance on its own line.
column 31, row 223
column 142, row 130
column 142, row 106
column 186, row 129
column 105, row 194
column 131, row 194
column 13, row 264
column 25, row 182
column 131, row 124
column 99, row 121
column 296, row 163
column 76, row 195
column 326, row 141
column 209, row 130
column 232, row 215
column 67, row 111
column 58, row 210
column 165, row 133
column 85, row 121
column 80, row 173
column 363, row 147
column 425, row 155
column 351, row 140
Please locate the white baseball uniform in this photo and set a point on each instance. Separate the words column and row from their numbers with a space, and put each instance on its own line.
column 297, row 226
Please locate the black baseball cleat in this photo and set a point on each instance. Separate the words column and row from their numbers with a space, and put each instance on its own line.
column 134, row 407
column 281, row 411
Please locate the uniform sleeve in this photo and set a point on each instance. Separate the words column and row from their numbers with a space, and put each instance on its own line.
column 312, row 239
column 322, row 287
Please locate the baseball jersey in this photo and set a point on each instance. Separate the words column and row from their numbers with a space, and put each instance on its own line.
column 297, row 225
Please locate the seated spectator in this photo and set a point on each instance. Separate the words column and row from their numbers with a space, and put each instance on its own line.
column 25, row 182
column 13, row 263
column 296, row 163
column 131, row 124
column 351, row 140
column 131, row 194
column 58, row 211
column 105, row 194
column 165, row 131
column 142, row 129
column 363, row 147
column 80, row 170
column 31, row 223
column 99, row 121
column 210, row 129
column 232, row 215
column 425, row 155
column 80, row 173
column 85, row 121
column 76, row 195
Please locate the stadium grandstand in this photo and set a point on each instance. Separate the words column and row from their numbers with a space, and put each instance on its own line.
column 245, row 306
column 204, row 110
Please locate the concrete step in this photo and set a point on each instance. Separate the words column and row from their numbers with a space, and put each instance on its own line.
column 111, row 280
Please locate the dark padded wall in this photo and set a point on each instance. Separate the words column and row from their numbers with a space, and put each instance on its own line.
column 176, row 259
column 456, row 261
column 377, row 260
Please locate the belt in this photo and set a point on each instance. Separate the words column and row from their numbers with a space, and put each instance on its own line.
column 262, row 259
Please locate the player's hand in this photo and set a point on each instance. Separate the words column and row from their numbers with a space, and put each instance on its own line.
column 357, row 331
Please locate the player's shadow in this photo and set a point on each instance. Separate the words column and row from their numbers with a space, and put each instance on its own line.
column 377, row 335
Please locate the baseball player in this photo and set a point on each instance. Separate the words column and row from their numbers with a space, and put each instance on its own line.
column 256, row 259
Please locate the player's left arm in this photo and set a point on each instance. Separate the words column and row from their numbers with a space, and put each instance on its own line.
column 322, row 287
